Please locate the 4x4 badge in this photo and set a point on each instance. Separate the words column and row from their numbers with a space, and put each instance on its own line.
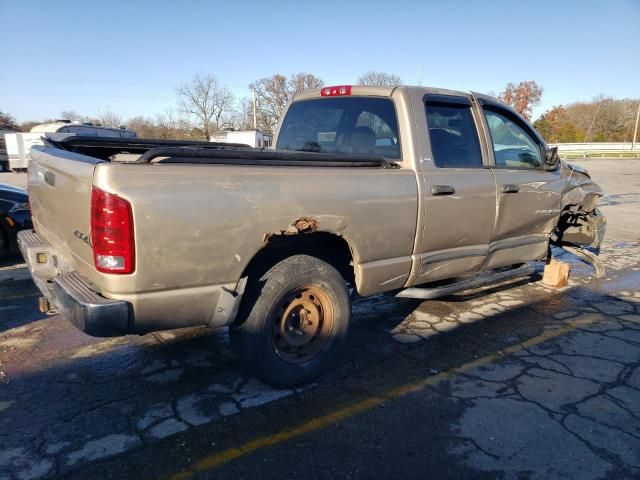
column 83, row 236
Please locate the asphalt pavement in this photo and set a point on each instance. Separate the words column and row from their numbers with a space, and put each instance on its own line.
column 514, row 381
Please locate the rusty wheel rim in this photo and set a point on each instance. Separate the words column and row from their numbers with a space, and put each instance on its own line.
column 302, row 324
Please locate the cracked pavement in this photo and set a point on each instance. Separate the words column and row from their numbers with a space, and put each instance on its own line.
column 514, row 381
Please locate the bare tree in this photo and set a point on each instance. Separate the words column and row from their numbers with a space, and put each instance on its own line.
column 273, row 93
column 166, row 124
column 74, row 116
column 205, row 100
column 108, row 118
column 379, row 79
column 522, row 97
column 29, row 124
column 7, row 122
column 301, row 82
column 243, row 115
column 143, row 127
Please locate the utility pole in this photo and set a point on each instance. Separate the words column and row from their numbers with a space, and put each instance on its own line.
column 419, row 76
column 635, row 130
column 586, row 138
column 255, row 114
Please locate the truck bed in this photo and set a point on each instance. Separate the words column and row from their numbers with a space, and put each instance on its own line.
column 203, row 211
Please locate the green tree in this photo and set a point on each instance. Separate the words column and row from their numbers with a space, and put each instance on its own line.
column 543, row 126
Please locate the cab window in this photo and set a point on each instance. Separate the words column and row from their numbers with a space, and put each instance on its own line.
column 453, row 134
column 348, row 125
column 513, row 146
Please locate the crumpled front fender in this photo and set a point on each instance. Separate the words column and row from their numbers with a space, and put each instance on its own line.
column 588, row 230
column 580, row 223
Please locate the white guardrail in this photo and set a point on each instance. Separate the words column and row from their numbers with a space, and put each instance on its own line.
column 598, row 149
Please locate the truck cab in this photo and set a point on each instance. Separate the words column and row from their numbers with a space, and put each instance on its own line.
column 487, row 197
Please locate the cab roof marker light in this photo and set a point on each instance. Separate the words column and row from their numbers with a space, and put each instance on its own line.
column 336, row 91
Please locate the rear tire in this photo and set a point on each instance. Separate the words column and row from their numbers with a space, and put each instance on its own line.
column 292, row 321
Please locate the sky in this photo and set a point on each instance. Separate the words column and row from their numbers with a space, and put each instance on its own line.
column 129, row 56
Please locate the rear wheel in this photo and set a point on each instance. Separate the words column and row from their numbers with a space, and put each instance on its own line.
column 293, row 321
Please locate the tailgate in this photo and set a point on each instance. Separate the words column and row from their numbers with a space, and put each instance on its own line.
column 60, row 195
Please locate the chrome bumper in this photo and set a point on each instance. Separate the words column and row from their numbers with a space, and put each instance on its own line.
column 71, row 293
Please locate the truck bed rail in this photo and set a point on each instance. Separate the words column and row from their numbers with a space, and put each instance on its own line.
column 177, row 151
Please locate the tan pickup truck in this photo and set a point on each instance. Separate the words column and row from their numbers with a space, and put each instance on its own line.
column 416, row 191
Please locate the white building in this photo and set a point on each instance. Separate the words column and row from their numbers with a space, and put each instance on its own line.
column 253, row 138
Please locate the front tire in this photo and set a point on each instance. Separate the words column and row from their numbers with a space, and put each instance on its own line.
column 292, row 321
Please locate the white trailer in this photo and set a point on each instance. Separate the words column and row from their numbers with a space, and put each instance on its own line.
column 18, row 147
column 19, row 143
column 253, row 138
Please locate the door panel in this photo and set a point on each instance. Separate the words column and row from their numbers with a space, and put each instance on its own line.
column 459, row 193
column 528, row 196
column 525, row 218
column 458, row 226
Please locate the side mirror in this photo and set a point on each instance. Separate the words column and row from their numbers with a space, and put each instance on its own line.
column 552, row 160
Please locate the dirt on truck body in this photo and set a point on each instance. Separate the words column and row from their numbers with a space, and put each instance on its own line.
column 369, row 190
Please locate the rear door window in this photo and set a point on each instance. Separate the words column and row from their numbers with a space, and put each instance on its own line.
column 347, row 125
column 453, row 135
column 513, row 146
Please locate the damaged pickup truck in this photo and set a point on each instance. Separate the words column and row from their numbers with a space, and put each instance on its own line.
column 415, row 191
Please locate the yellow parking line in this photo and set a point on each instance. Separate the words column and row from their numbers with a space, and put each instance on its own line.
column 216, row 460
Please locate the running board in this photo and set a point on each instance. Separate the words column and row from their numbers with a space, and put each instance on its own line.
column 466, row 284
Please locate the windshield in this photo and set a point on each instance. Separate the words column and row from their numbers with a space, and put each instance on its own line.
column 349, row 125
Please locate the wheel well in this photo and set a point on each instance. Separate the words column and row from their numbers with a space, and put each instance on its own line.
column 328, row 247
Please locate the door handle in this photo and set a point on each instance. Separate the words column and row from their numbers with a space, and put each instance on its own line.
column 510, row 189
column 442, row 190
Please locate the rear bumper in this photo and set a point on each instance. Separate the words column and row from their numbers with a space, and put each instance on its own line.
column 72, row 294
column 88, row 311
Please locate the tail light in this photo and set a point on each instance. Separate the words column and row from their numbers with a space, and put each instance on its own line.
column 112, row 233
column 337, row 91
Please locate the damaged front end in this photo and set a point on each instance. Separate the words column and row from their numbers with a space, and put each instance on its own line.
column 581, row 227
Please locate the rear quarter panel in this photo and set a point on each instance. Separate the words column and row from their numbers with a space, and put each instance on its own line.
column 200, row 225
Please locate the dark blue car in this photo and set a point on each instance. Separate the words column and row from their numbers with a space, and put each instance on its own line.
column 14, row 216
